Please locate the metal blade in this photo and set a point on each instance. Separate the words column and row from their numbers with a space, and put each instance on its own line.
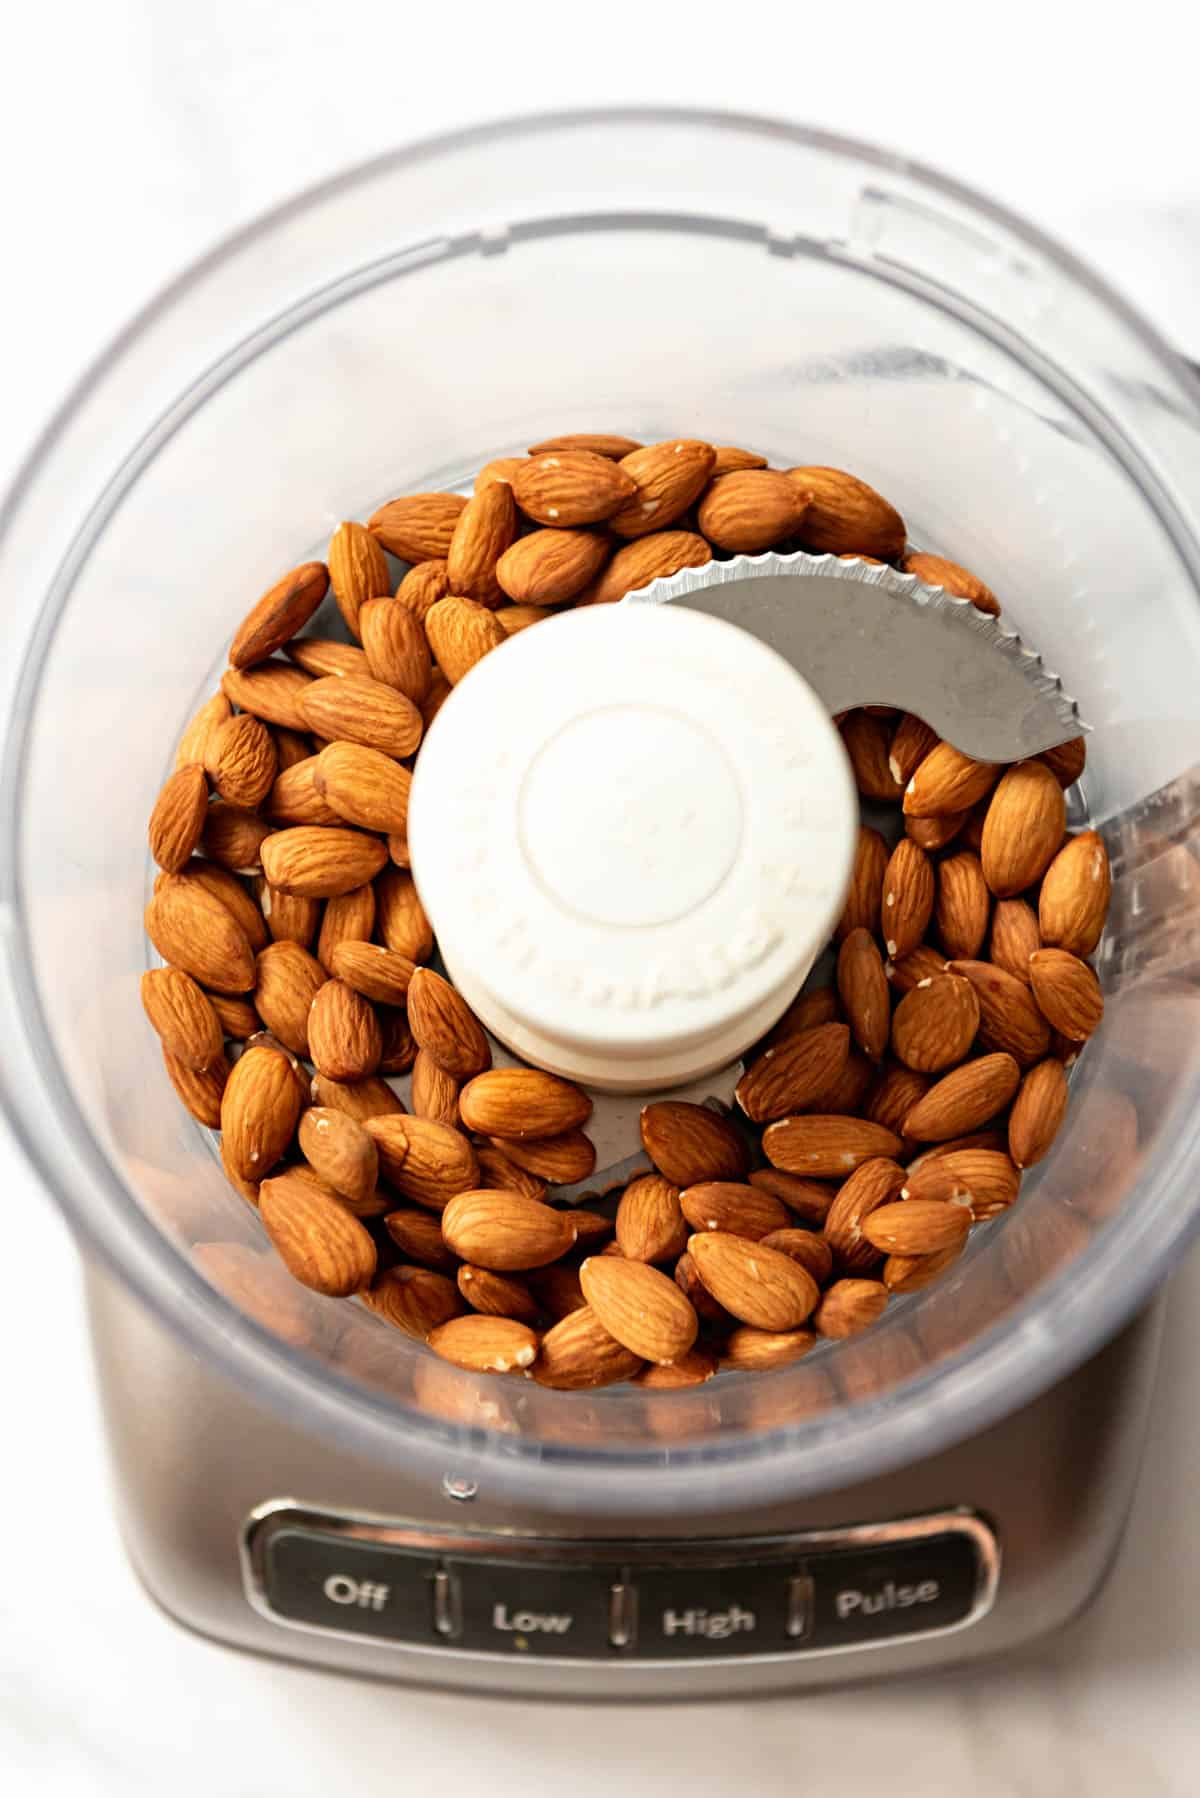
column 866, row 635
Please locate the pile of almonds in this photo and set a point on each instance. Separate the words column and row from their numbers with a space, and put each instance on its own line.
column 892, row 1111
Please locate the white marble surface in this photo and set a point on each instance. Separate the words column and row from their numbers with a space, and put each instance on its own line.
column 131, row 135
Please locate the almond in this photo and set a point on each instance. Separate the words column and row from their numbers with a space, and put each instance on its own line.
column 359, row 1099
column 339, row 1150
column 505, row 1231
column 193, row 744
column 935, row 1023
column 747, row 1350
column 271, row 691
column 461, row 632
column 289, row 918
column 912, row 1273
column 296, row 799
column 727, row 1205
column 434, row 1092
column 570, row 487
column 1067, row 993
column 550, row 566
column 698, row 1296
column 877, row 1182
column 562, row 1160
column 931, row 834
column 522, row 1102
column 444, row 1025
column 519, row 618
column 259, row 1112
column 794, row 1073
column 358, row 571
column 343, row 1033
column 850, row 1306
column 1014, row 937
column 399, row 1051
column 355, row 710
column 199, row 1089
column 643, row 1309
column 817, row 1005
column 242, row 761
column 325, row 655
column 177, row 821
column 962, row 906
column 486, row 527
column 895, row 1094
column 983, row 1179
column 911, row 742
column 907, row 903
column 647, row 559
column 948, row 781
column 1038, row 1110
column 579, row 1354
column 650, row 1224
column 936, row 571
column 750, row 509
column 600, row 443
column 804, row 1246
column 233, row 838
column 493, row 1294
column 924, row 963
column 556, row 1289
column 503, row 468
column 693, row 1369
column 423, row 586
column 496, row 1169
column 668, row 477
column 485, row 1344
column 730, row 458
column 918, row 1227
column 379, row 974
column 195, row 932
column 397, row 649
column 321, row 864
column 809, row 1200
column 994, row 1141
column 865, row 894
column 403, row 924
column 757, row 1285
column 863, row 988
column 429, row 1163
column 414, row 1300
column 237, row 1017
column 287, row 980
column 826, row 1146
column 348, row 918
column 318, row 1241
column 1073, row 903
column 228, row 891
column 964, row 1100
column 845, row 516
column 419, row 526
column 1067, row 761
column 363, row 786
column 1008, row 1018
column 292, row 746
column 1023, row 828
column 868, row 744
column 283, row 610
column 688, row 1143
column 418, row 1236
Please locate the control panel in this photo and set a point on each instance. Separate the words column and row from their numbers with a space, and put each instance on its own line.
column 513, row 1595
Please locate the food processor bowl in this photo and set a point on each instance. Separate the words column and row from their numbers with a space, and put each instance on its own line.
column 653, row 273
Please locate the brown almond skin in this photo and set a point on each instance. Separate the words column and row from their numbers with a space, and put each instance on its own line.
column 414, row 1300
column 747, row 1350
column 548, row 567
column 418, row 526
column 964, row 1100
column 177, row 821
column 695, row 1368
column 647, row 559
column 847, row 517
column 748, row 510
column 434, row 1092
column 193, row 744
column 340, row 1151
column 423, row 586
column 230, row 892
column 486, row 527
column 906, row 904
column 271, row 691
column 935, row 1023
column 428, row 1162
column 868, row 744
column 287, row 980
column 1066, row 760
column 650, row 1225
column 359, row 1099
column 497, row 1295
column 986, row 1179
column 496, row 1169
column 923, row 964
column 363, row 786
column 962, row 906
column 579, row 1354
column 1009, row 1020
column 396, row 648
column 689, row 1143
column 805, row 1246
column 865, row 894
column 932, row 834
column 379, row 974
column 563, row 488
column 325, row 655
column 600, row 443
column 1014, row 937
column 917, row 1227
column 817, row 1005
column 895, row 1094
column 289, row 918
column 194, row 931
column 321, row 863
column 850, row 1306
column 344, row 1038
column 877, row 1182
column 260, row 1108
column 863, row 989
column 505, row 1231
column 183, row 1017
column 911, row 742
column 356, row 710
column 562, row 1160
column 403, row 923
column 668, row 476
column 1073, row 903
column 794, row 1073
column 642, row 1308
column 826, row 1146
column 727, row 1205
column 418, row 1236
column 1067, row 993
column 1038, row 1111
column 296, row 799
column 521, row 1102
column 443, row 1024
column 912, row 1273
column 1022, row 829
column 282, row 611
column 319, row 1242
column 358, row 570
column 237, row 1017
column 485, row 1344
column 348, row 918
column 948, row 781
column 937, row 571
column 757, row 1285
column 461, row 632
column 698, row 1296
column 200, row 1090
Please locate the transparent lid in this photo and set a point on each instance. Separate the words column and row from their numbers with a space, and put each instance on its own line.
column 651, row 274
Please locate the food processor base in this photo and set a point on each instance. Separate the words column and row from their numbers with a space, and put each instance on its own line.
column 231, row 1517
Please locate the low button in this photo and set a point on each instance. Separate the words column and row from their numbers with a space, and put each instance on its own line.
column 524, row 1609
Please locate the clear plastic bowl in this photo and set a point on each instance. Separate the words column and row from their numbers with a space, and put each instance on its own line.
column 656, row 274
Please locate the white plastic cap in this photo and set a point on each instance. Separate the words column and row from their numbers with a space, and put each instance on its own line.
column 632, row 828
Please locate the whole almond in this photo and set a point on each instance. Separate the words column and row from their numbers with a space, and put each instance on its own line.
column 1038, row 1110
column 339, row 1149
column 505, row 1231
column 1067, row 993
column 1009, row 1020
column 183, row 1016
column 229, row 892
column 748, row 510
column 343, row 1033
column 200, row 1090
column 806, row 1247
column 496, row 1295
column 348, row 918
column 318, row 1240
column 911, row 742
column 747, row 1350
column 906, row 905
column 522, row 1102
column 379, row 974
column 846, row 516
column 562, row 1160
column 423, row 586
column 497, row 1170
column 358, row 570
column 177, row 821
column 647, row 559
column 757, row 1285
column 429, row 1163
column 295, row 798
column 912, row 1273
column 600, row 443
column 830, row 1147
column 847, row 1095
column 325, row 655
column 271, row 691
column 193, row 744
column 579, row 1354
column 359, row 1099
column 868, row 744
column 403, row 924
column 419, row 526
column 237, row 1017
column 461, row 632
column 695, row 1368
column 1073, row 902
column 983, row 1179
column 935, row 1023
column 194, row 931
column 698, row 1296
column 516, row 618
column 503, row 468
column 994, row 1141
column 964, row 1100
column 947, row 781
column 924, row 963
column 931, row 834
column 918, row 1227
column 486, row 527
column 668, row 477
column 730, row 458
column 937, row 571
column 863, row 989
column 414, row 1300
column 321, row 864
column 962, row 906
column 728, row 1205
column 485, row 1344
column 418, row 1236
column 894, row 1095
column 650, row 1224
column 550, row 566
column 794, row 1073
column 287, row 980
column 434, row 1092
column 643, row 1309
column 865, row 894
column 283, row 610
column 242, row 761
column 444, row 1025
column 1014, row 937
column 260, row 1108
column 399, row 1050
column 1023, row 828
column 688, row 1143
column 364, row 786
column 569, row 487
column 289, row 918
column 877, row 1182
column 355, row 710
column 1066, row 761
column 397, row 649
column 849, row 1306
column 816, row 1005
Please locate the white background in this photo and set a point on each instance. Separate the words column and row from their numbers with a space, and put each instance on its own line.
column 131, row 135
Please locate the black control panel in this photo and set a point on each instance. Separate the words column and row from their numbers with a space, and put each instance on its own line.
column 815, row 1592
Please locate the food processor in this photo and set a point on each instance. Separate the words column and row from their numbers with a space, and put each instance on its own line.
column 292, row 1476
